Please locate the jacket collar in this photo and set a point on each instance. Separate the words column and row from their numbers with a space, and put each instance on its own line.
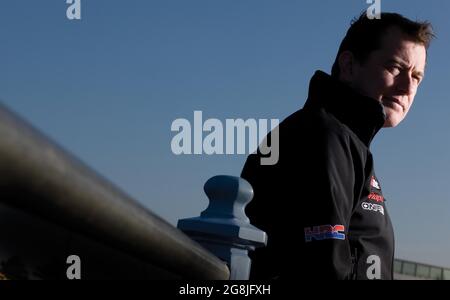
column 363, row 115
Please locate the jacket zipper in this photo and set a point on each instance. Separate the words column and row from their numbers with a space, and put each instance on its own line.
column 354, row 258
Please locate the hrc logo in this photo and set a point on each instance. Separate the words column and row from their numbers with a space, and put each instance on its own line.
column 324, row 232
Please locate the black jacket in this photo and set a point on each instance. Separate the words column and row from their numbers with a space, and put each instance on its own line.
column 321, row 204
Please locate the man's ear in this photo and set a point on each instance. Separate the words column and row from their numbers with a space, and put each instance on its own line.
column 347, row 65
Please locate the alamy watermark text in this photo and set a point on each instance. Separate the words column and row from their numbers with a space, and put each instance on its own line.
column 230, row 138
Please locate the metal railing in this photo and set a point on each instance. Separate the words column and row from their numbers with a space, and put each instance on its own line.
column 404, row 269
column 43, row 180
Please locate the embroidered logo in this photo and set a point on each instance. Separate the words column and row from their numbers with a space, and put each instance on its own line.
column 376, row 197
column 325, row 232
column 374, row 183
column 373, row 207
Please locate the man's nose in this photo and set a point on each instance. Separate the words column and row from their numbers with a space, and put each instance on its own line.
column 406, row 84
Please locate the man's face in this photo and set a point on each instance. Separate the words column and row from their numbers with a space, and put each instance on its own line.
column 391, row 74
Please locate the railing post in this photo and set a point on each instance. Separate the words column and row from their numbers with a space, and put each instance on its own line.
column 223, row 228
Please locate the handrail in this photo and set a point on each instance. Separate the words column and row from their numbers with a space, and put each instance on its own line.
column 420, row 270
column 38, row 176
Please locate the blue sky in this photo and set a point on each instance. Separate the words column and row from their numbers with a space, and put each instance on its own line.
column 108, row 87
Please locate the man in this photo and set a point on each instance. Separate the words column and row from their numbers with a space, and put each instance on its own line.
column 322, row 205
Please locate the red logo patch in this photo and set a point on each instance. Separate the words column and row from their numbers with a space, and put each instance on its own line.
column 376, row 197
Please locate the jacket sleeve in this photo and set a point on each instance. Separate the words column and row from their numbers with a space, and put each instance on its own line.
column 305, row 204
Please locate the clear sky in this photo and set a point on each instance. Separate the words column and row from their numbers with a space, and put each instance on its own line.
column 108, row 87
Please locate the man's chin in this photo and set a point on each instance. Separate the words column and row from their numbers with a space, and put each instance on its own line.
column 393, row 117
column 391, row 122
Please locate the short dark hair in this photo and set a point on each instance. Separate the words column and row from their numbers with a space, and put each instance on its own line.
column 364, row 35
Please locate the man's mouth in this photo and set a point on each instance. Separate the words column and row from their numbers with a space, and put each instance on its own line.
column 393, row 102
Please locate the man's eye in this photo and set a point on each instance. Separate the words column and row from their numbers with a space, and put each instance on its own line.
column 395, row 70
